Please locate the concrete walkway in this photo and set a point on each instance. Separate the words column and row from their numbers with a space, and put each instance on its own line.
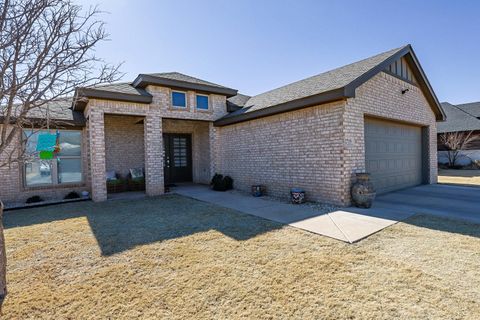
column 351, row 224
column 341, row 225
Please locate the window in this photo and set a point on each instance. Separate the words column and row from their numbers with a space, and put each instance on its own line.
column 202, row 102
column 179, row 99
column 66, row 167
column 69, row 160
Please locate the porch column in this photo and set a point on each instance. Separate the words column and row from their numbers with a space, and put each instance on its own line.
column 213, row 140
column 97, row 155
column 153, row 155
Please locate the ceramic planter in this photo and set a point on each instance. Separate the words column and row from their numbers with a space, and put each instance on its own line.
column 363, row 192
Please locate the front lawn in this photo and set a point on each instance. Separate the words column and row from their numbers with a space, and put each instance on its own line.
column 177, row 258
column 459, row 177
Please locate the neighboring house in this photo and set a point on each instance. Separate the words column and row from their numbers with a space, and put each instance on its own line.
column 376, row 115
column 460, row 118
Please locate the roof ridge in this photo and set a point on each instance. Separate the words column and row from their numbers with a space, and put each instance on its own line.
column 468, row 103
column 464, row 111
column 112, row 83
column 159, row 74
column 335, row 69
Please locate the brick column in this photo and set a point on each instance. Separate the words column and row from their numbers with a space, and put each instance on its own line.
column 213, row 140
column 97, row 156
column 153, row 155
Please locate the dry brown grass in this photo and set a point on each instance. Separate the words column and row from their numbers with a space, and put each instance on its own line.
column 177, row 258
column 460, row 177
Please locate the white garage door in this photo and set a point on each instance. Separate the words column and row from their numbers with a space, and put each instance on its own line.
column 393, row 154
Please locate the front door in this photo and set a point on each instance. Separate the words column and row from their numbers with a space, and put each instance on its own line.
column 178, row 158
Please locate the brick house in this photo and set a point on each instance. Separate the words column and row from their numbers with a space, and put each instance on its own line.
column 376, row 115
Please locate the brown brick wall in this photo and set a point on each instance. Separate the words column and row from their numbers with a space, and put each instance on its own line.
column 302, row 148
column 124, row 143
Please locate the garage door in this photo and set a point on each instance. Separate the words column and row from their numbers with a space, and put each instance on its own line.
column 393, row 154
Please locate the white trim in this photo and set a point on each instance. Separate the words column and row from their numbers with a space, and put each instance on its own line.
column 186, row 99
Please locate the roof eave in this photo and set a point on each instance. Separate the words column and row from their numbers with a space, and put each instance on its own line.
column 55, row 123
column 109, row 95
column 318, row 99
column 426, row 86
column 144, row 80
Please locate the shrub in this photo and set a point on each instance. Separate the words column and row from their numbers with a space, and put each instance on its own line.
column 116, row 185
column 34, row 199
column 72, row 195
column 228, row 182
column 221, row 183
column 115, row 182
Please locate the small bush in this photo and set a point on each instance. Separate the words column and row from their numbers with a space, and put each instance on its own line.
column 72, row 195
column 34, row 199
column 228, row 182
column 221, row 183
column 116, row 182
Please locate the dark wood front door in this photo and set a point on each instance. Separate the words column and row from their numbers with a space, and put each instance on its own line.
column 178, row 158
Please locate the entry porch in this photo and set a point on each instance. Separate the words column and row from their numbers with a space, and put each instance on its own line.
column 142, row 153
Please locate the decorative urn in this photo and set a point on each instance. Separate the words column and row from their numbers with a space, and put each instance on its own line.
column 297, row 195
column 363, row 192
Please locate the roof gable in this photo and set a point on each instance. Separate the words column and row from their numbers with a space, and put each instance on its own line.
column 401, row 69
column 333, row 85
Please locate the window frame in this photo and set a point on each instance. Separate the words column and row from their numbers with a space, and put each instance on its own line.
column 54, row 165
column 196, row 101
column 186, row 100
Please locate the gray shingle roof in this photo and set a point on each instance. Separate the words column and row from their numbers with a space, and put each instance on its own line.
column 183, row 77
column 237, row 102
column 320, row 83
column 340, row 83
column 457, row 120
column 121, row 87
column 473, row 108
column 60, row 112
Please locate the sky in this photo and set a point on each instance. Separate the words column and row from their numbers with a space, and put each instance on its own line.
column 256, row 46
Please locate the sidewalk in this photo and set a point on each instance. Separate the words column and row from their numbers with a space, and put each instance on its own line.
column 348, row 225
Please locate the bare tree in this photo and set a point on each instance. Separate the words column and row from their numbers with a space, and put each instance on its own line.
column 455, row 142
column 46, row 51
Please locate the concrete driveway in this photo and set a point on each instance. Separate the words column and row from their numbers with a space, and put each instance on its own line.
column 456, row 202
column 352, row 224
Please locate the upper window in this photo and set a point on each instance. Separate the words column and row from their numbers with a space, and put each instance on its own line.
column 202, row 102
column 179, row 99
column 66, row 167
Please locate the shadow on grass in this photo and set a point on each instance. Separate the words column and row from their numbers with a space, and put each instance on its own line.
column 444, row 224
column 123, row 224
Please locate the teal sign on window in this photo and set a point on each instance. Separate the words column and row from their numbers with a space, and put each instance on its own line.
column 46, row 142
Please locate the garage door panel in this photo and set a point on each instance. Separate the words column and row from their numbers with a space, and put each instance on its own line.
column 393, row 154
